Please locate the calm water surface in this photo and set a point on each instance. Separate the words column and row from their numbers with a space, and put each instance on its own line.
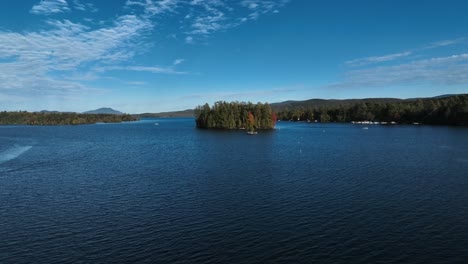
column 169, row 193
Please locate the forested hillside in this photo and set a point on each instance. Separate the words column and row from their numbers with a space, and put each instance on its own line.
column 44, row 118
column 183, row 113
column 449, row 110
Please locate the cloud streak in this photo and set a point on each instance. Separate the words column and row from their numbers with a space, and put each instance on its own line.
column 78, row 5
column 401, row 55
column 150, row 69
column 205, row 17
column 404, row 69
column 41, row 61
column 449, row 70
column 47, row 7
column 151, row 7
column 378, row 59
column 65, row 56
column 444, row 43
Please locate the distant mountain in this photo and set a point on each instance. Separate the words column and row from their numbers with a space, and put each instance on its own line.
column 104, row 110
column 281, row 106
column 183, row 113
column 49, row 112
column 346, row 102
column 445, row 96
column 329, row 103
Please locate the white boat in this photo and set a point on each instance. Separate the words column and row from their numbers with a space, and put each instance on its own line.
column 365, row 128
column 252, row 132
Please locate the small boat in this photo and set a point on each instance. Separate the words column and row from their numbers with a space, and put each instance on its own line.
column 365, row 128
column 252, row 132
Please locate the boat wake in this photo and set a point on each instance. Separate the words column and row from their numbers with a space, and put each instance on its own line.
column 13, row 153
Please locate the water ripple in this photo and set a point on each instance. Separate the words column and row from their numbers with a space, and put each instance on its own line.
column 171, row 194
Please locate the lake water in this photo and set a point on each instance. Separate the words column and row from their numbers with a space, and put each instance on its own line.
column 169, row 193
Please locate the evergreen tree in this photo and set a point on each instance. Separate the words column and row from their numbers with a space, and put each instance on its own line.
column 235, row 115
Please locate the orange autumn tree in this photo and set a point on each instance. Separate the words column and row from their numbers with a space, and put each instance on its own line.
column 273, row 118
column 250, row 122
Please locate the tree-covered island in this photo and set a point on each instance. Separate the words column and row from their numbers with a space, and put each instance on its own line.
column 235, row 115
column 47, row 118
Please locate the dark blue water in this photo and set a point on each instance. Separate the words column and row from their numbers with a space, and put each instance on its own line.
column 169, row 193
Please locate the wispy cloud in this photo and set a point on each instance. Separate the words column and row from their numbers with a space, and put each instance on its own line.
column 449, row 70
column 205, row 17
column 42, row 61
column 150, row 69
column 378, row 59
column 136, row 83
column 402, row 55
column 263, row 6
column 211, row 21
column 47, row 7
column 78, row 5
column 169, row 70
column 189, row 39
column 210, row 16
column 178, row 61
column 67, row 45
column 408, row 67
column 444, row 43
column 151, row 7
column 64, row 56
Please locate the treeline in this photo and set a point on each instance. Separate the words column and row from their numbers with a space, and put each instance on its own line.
column 235, row 115
column 35, row 118
column 184, row 113
column 452, row 110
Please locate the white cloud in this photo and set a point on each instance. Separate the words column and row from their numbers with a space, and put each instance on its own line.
column 136, row 83
column 78, row 5
column 253, row 5
column 47, row 7
column 401, row 55
column 44, row 62
column 150, row 69
column 445, row 43
column 378, row 59
column 205, row 17
column 254, row 15
column 68, row 45
column 216, row 15
column 168, row 70
column 449, row 70
column 178, row 61
column 263, row 6
column 208, row 24
column 63, row 58
column 152, row 7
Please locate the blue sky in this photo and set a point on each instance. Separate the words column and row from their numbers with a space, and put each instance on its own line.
column 161, row 55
